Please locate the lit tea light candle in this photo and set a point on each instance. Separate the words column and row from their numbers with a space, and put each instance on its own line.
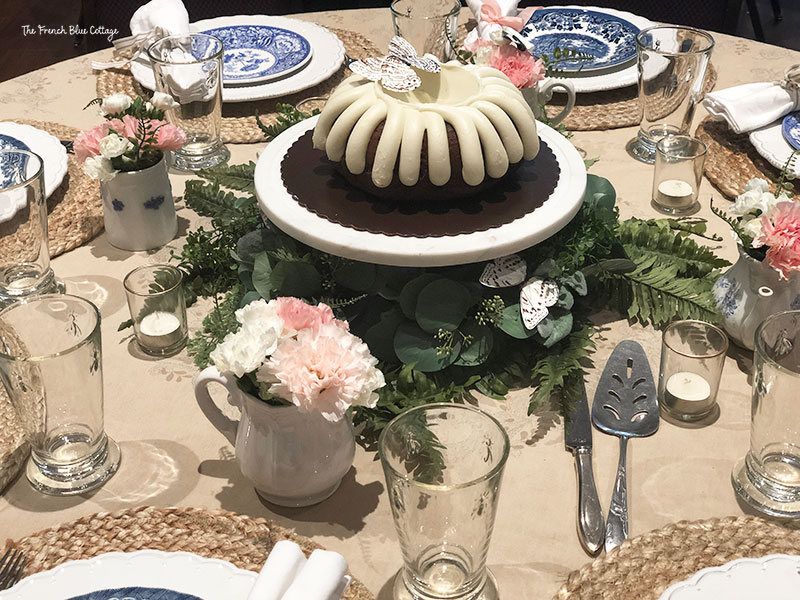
column 159, row 330
column 675, row 193
column 689, row 387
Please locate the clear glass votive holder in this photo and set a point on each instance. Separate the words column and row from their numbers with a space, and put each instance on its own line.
column 443, row 465
column 768, row 477
column 158, row 308
column 24, row 255
column 677, row 174
column 672, row 62
column 188, row 67
column 428, row 26
column 51, row 364
column 692, row 358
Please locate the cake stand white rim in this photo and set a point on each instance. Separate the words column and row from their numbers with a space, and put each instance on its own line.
column 311, row 229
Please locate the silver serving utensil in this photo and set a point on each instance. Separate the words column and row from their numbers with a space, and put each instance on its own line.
column 625, row 405
column 578, row 438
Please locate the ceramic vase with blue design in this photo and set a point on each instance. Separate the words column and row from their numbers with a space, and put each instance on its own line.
column 138, row 209
column 748, row 293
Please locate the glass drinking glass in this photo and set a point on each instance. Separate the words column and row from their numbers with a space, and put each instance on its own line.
column 443, row 465
column 672, row 67
column 768, row 477
column 189, row 68
column 429, row 26
column 51, row 366
column 24, row 254
column 692, row 358
column 677, row 174
column 158, row 308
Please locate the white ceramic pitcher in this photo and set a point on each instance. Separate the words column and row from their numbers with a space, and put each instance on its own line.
column 542, row 93
column 292, row 458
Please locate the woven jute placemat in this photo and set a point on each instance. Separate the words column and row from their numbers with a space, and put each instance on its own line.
column 238, row 120
column 643, row 567
column 243, row 541
column 611, row 109
column 731, row 160
column 74, row 210
column 13, row 446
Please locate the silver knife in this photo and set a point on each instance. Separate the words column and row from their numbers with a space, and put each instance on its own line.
column 578, row 437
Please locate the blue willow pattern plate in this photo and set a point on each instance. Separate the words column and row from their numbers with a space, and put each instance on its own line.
column 609, row 39
column 9, row 166
column 135, row 593
column 260, row 52
column 791, row 129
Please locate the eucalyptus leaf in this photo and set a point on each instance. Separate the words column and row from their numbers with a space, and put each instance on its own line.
column 262, row 275
column 300, row 279
column 560, row 327
column 480, row 346
column 380, row 337
column 547, row 268
column 248, row 298
column 355, row 275
column 565, row 298
column 512, row 323
column 414, row 346
column 577, row 281
column 410, row 292
column 442, row 304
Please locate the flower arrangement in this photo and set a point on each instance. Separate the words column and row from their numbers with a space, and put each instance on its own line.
column 767, row 225
column 520, row 66
column 291, row 352
column 133, row 137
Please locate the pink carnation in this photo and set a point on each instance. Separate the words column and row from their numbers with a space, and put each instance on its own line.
column 298, row 315
column 170, row 137
column 781, row 232
column 87, row 143
column 520, row 67
column 325, row 369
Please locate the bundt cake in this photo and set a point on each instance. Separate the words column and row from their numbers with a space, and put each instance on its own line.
column 460, row 131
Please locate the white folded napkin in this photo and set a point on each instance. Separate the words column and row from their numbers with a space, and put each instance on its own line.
column 321, row 578
column 753, row 105
column 284, row 562
column 150, row 22
column 493, row 15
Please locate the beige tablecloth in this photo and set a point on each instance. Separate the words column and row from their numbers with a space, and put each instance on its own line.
column 173, row 456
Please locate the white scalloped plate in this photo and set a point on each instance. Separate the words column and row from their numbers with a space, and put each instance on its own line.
column 182, row 572
column 45, row 145
column 770, row 143
column 616, row 79
column 326, row 58
column 773, row 577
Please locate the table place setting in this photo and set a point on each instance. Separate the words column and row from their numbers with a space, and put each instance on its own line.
column 387, row 314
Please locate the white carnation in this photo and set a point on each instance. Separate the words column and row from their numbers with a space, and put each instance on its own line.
column 756, row 185
column 98, row 167
column 113, row 145
column 163, row 101
column 753, row 229
column 746, row 202
column 115, row 103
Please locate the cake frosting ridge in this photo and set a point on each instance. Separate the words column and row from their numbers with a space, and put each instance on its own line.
column 493, row 124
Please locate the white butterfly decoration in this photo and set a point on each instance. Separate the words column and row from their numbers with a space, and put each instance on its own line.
column 503, row 272
column 534, row 298
column 395, row 71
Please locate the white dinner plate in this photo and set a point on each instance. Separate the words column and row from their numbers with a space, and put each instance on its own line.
column 616, row 79
column 770, row 143
column 776, row 577
column 187, row 576
column 327, row 55
column 45, row 145
column 303, row 225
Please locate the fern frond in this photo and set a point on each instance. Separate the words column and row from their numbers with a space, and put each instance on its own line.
column 288, row 115
column 235, row 177
column 744, row 238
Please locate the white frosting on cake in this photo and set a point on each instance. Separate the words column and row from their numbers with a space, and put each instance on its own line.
column 494, row 125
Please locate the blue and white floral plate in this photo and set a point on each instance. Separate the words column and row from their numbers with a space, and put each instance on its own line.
column 776, row 577
column 791, row 129
column 258, row 53
column 610, row 39
column 143, row 575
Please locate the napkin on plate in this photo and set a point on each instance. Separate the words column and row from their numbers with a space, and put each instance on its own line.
column 753, row 105
column 493, row 15
column 150, row 22
column 288, row 575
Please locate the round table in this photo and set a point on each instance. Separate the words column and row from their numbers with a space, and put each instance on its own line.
column 173, row 457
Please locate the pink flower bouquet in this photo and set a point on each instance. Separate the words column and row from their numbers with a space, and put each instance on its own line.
column 300, row 354
column 134, row 136
column 522, row 68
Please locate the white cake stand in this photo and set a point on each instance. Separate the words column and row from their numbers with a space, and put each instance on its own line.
column 303, row 225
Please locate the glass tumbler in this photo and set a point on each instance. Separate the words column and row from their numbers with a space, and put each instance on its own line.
column 672, row 65
column 443, row 465
column 692, row 358
column 429, row 26
column 677, row 174
column 768, row 477
column 189, row 68
column 158, row 308
column 51, row 367
column 24, row 255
